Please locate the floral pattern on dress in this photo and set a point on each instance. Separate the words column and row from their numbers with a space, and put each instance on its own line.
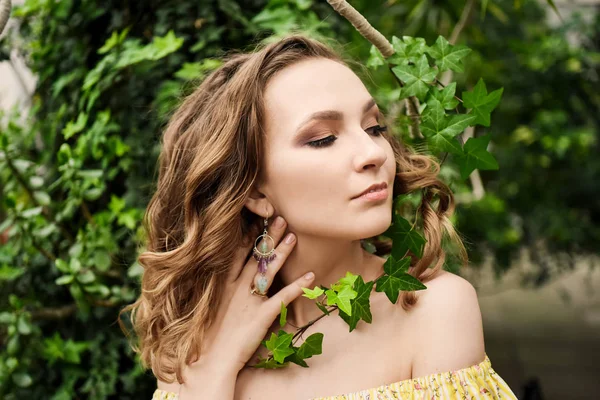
column 476, row 382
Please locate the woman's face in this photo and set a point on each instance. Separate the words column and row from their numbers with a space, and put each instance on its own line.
column 322, row 151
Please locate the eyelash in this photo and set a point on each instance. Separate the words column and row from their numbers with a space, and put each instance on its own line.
column 377, row 129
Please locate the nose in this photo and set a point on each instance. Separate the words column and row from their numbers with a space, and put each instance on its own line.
column 369, row 152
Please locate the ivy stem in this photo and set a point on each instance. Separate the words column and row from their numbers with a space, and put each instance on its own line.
column 303, row 328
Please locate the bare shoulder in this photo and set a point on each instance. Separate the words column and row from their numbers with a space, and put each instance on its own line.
column 448, row 288
column 448, row 326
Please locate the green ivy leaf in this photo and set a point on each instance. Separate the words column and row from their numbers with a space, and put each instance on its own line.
column 279, row 345
column 347, row 280
column 481, row 103
column 416, row 78
column 111, row 42
column 296, row 359
column 128, row 218
column 283, row 315
column 361, row 306
column 323, row 308
column 446, row 96
column 407, row 50
column 404, row 238
column 114, row 40
column 375, row 59
column 441, row 129
column 312, row 346
column 397, row 279
column 313, row 293
column 72, row 350
column 448, row 56
column 395, row 267
column 341, row 298
column 476, row 156
column 165, row 45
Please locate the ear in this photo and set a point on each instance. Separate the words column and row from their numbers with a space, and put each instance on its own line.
column 258, row 203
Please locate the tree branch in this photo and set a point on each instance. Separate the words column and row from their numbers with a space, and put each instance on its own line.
column 4, row 13
column 53, row 314
column 64, row 312
column 363, row 26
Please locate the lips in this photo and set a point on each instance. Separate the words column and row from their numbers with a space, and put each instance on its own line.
column 375, row 187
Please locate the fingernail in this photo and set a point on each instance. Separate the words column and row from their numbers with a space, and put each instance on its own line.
column 309, row 275
column 278, row 223
column 289, row 238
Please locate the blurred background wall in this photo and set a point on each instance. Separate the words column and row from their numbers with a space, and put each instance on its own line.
column 532, row 227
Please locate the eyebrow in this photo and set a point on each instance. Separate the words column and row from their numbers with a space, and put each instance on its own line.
column 332, row 114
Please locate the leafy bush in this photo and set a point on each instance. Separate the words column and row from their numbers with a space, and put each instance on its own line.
column 76, row 177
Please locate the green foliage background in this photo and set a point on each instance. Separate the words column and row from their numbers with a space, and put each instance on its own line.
column 75, row 178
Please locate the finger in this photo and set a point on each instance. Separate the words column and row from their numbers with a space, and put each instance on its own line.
column 281, row 254
column 287, row 294
column 276, row 231
column 239, row 260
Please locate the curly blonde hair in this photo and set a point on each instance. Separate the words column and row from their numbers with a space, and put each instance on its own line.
column 210, row 160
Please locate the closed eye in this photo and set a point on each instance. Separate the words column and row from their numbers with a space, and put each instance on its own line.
column 376, row 130
column 323, row 142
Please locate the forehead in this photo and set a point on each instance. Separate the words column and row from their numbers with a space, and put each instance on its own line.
column 309, row 86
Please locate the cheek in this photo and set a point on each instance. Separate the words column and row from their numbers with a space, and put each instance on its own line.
column 305, row 187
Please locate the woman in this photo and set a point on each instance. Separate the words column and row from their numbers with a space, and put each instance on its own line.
column 288, row 139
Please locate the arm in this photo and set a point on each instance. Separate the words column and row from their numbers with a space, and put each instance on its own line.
column 204, row 382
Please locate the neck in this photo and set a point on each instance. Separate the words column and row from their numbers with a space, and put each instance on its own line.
column 329, row 260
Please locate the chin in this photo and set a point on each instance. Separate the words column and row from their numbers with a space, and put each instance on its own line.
column 376, row 223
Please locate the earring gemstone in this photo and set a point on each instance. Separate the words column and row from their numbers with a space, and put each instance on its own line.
column 261, row 284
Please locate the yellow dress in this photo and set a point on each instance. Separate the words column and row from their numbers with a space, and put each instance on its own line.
column 478, row 381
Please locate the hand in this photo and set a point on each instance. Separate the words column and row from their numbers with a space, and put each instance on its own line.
column 243, row 318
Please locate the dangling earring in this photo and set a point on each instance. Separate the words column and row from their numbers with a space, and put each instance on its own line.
column 265, row 255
